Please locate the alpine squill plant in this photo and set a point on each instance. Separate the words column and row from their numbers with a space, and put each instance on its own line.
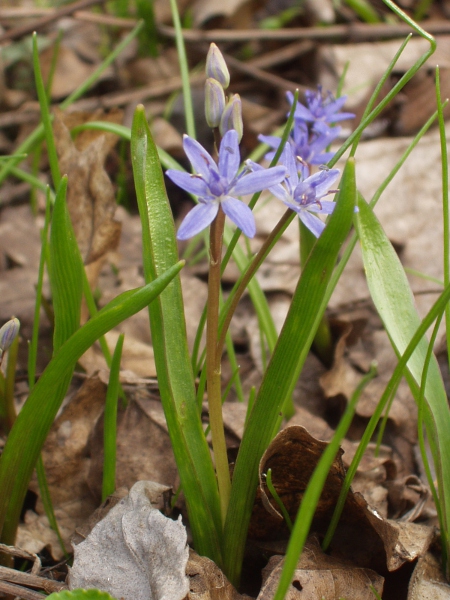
column 219, row 509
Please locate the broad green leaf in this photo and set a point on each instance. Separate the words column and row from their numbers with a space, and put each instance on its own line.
column 284, row 369
column 393, row 298
column 33, row 423
column 80, row 595
column 173, row 364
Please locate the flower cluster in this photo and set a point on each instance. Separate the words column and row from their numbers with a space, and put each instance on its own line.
column 312, row 132
column 218, row 184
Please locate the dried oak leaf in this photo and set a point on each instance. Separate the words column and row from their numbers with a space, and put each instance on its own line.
column 134, row 553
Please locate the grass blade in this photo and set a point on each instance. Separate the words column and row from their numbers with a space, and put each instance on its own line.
column 33, row 423
column 173, row 364
column 393, row 298
column 284, row 368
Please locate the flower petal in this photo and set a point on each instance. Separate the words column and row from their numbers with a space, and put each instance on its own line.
column 200, row 158
column 259, row 180
column 326, row 207
column 271, row 140
column 229, row 155
column 314, row 224
column 193, row 185
column 197, row 219
column 322, row 185
column 240, row 214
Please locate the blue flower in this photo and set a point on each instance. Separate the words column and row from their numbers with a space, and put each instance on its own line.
column 309, row 147
column 320, row 109
column 304, row 194
column 218, row 185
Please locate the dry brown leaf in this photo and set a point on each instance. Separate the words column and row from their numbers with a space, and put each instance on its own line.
column 67, row 61
column 144, row 450
column 90, row 194
column 362, row 536
column 67, row 465
column 427, row 581
column 207, row 582
column 320, row 576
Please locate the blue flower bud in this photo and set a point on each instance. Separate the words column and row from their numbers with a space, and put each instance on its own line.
column 232, row 117
column 216, row 67
column 214, row 102
column 8, row 334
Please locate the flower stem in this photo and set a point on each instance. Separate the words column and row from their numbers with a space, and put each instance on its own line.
column 213, row 363
column 251, row 270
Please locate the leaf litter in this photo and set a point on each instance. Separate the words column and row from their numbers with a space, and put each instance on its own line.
column 387, row 487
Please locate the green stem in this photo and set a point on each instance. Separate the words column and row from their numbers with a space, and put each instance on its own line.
column 249, row 273
column 213, row 363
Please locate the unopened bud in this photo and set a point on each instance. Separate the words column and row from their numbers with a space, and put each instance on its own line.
column 8, row 334
column 216, row 67
column 214, row 102
column 232, row 117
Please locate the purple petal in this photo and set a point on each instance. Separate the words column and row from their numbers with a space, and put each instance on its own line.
column 193, row 185
column 229, row 155
column 282, row 194
column 200, row 159
column 197, row 219
column 322, row 181
column 271, row 140
column 259, row 180
column 326, row 207
column 314, row 224
column 303, row 114
column 240, row 214
column 287, row 159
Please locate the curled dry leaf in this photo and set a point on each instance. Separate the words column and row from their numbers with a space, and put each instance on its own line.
column 321, row 576
column 207, row 582
column 90, row 193
column 427, row 581
column 134, row 553
column 362, row 535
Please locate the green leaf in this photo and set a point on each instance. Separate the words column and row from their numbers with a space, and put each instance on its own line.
column 173, row 365
column 33, row 423
column 284, row 369
column 80, row 595
column 393, row 298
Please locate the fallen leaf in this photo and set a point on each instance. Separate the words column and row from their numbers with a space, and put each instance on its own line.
column 362, row 535
column 134, row 553
column 207, row 582
column 427, row 581
column 90, row 194
column 321, row 576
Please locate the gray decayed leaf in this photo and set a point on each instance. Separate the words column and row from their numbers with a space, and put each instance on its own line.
column 135, row 553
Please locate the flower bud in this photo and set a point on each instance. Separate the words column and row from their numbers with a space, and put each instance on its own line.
column 216, row 67
column 8, row 334
column 232, row 117
column 214, row 102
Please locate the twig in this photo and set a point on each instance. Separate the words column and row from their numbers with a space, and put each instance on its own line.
column 17, row 591
column 64, row 11
column 34, row 581
column 354, row 32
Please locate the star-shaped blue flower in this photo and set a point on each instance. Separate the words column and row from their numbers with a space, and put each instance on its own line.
column 320, row 109
column 218, row 185
column 310, row 148
column 304, row 195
